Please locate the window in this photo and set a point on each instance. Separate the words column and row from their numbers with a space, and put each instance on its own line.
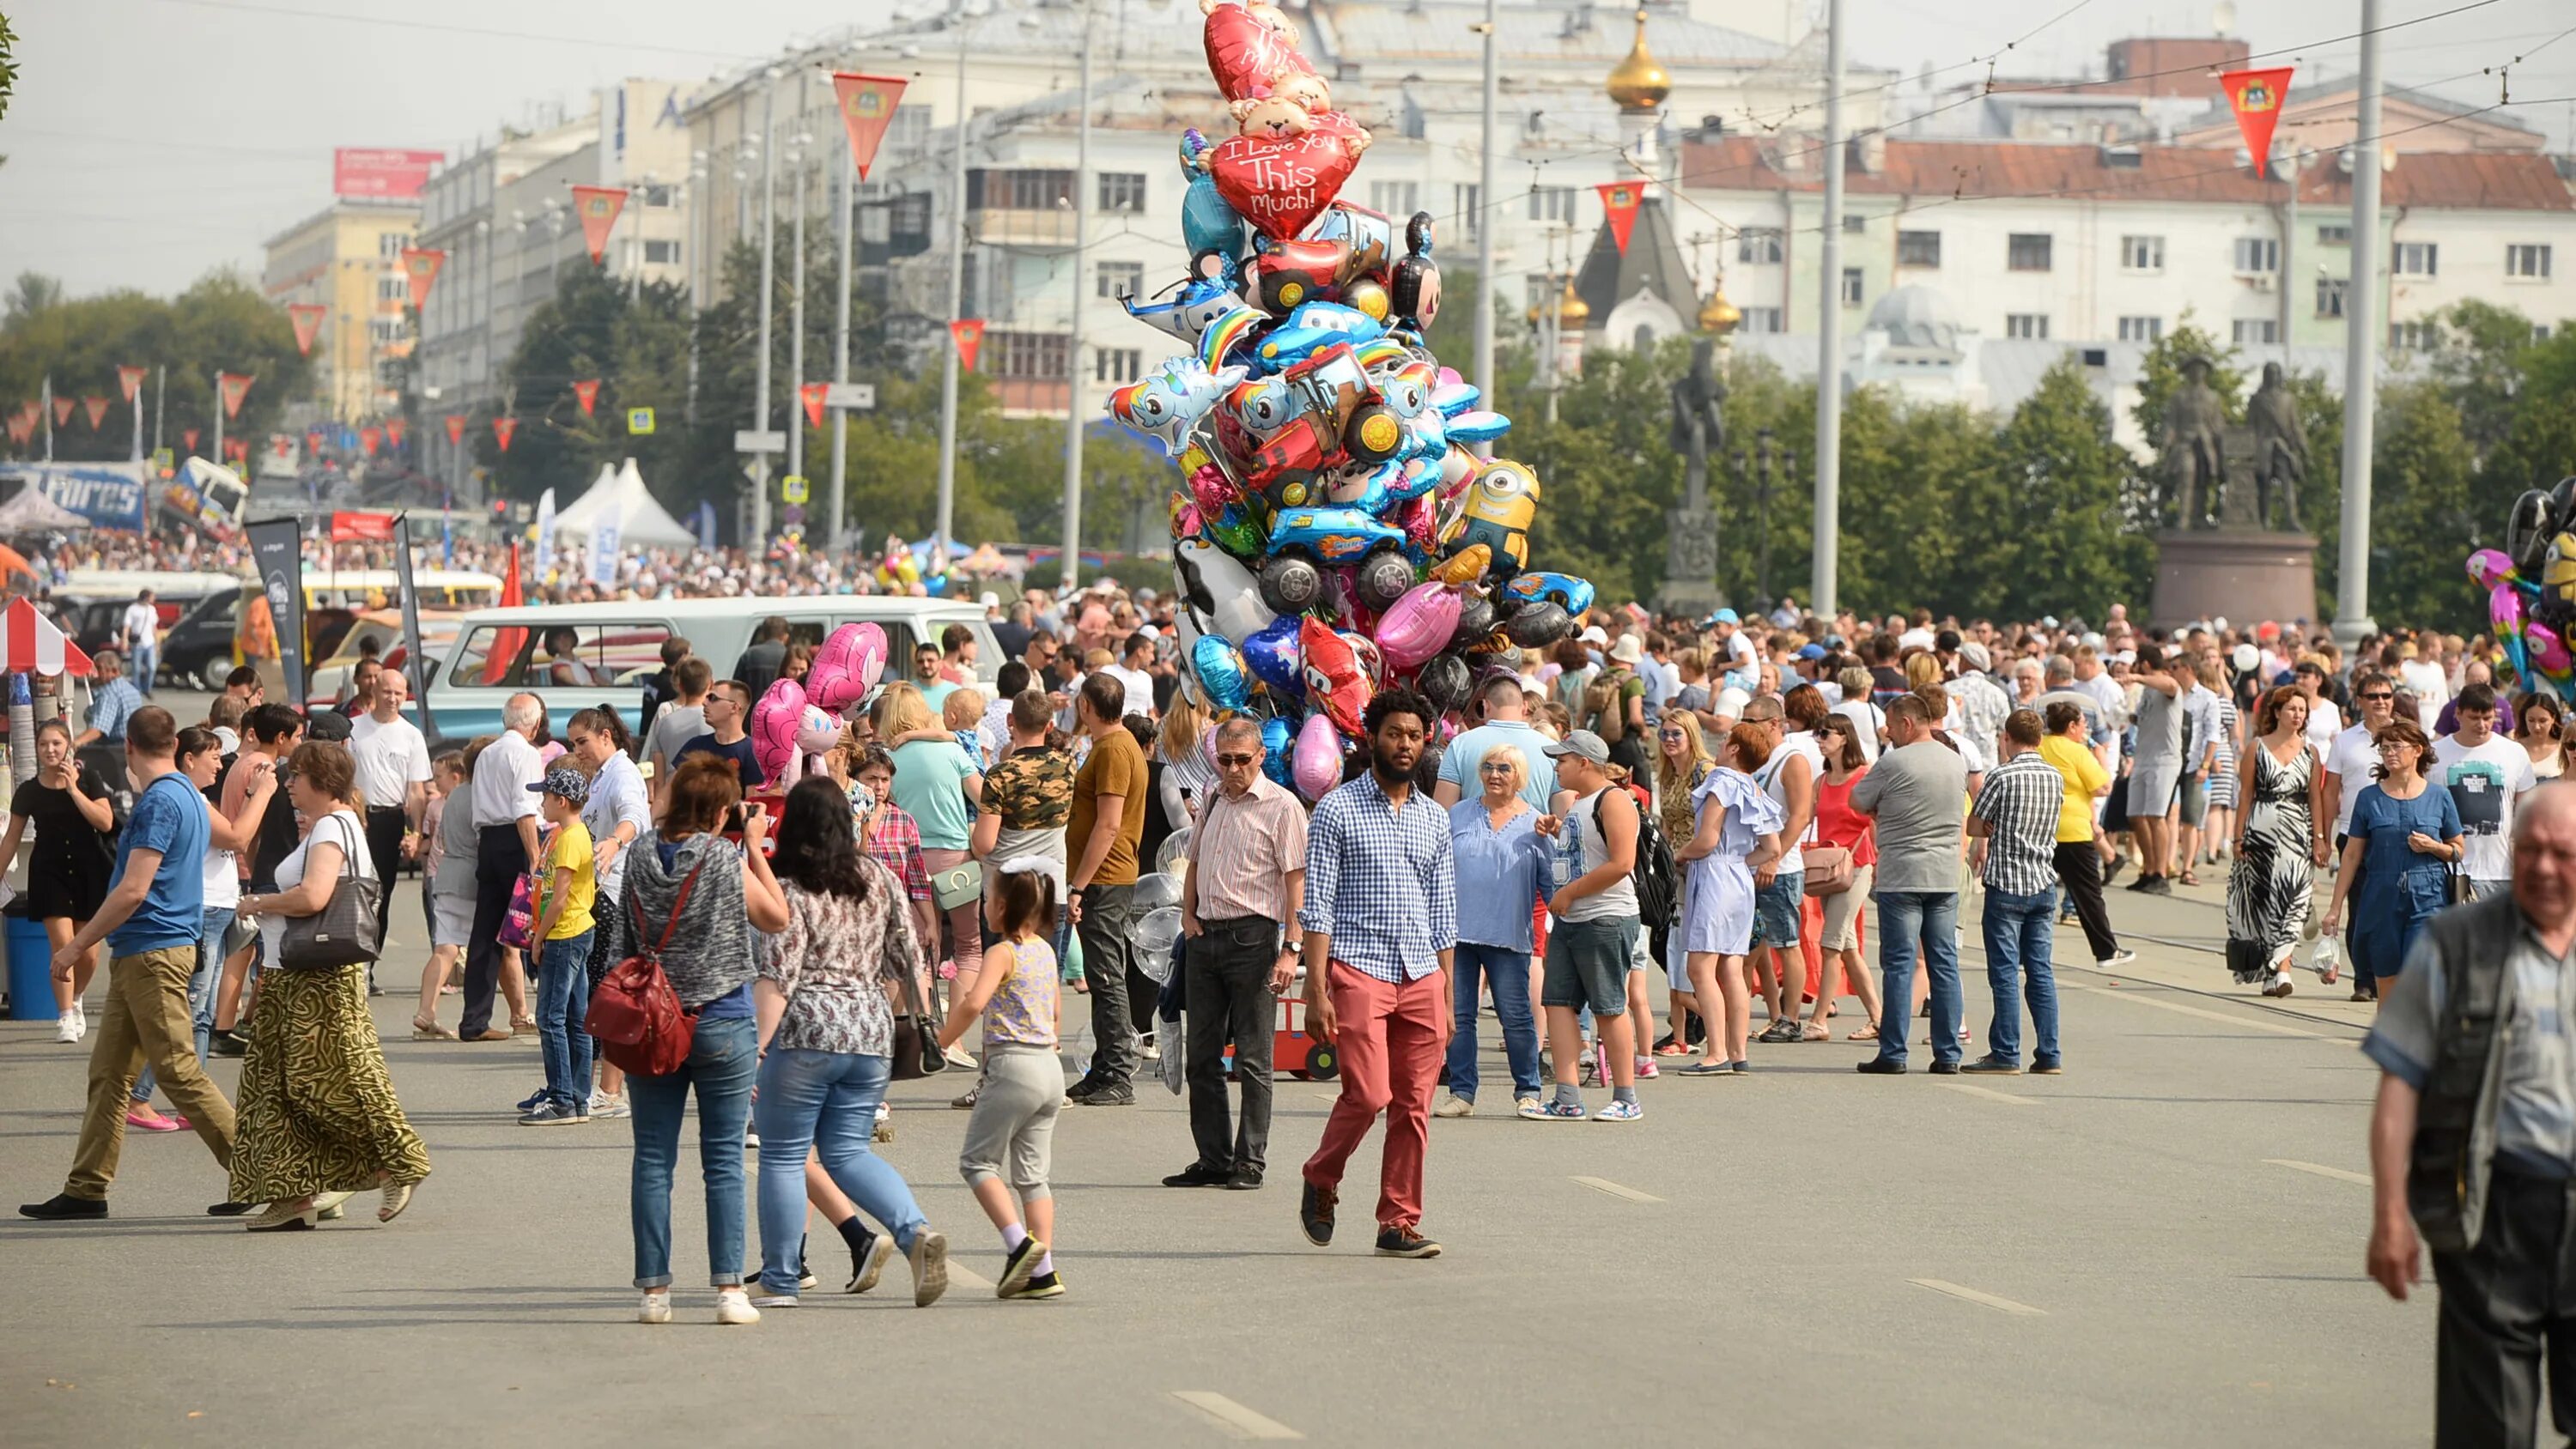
column 2141, row 329
column 1918, row 249
column 1117, row 364
column 2257, row 255
column 474, row 658
column 2246, row 330
column 655, row 196
column 2415, row 259
column 1019, row 190
column 1851, row 286
column 393, row 244
column 2528, row 262
column 385, row 329
column 2413, row 336
column 1758, row 244
column 1538, row 287
column 1853, row 222
column 393, row 289
column 1118, row 279
column 1467, row 204
column 1025, row 354
column 586, row 656
column 1122, row 191
column 1762, row 319
column 2332, row 235
column 2330, row 292
column 661, row 253
column 2539, row 331
column 2027, row 251
column 2030, row 325
column 1396, row 198
column 2142, row 253
column 1551, row 203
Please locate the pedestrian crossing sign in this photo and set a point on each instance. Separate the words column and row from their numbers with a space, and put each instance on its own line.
column 639, row 422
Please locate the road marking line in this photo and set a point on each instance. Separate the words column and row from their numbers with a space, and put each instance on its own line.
column 1328, row 1096
column 1603, row 1184
column 2321, row 1170
column 2142, row 999
column 1990, row 1093
column 968, row 1276
column 1243, row 1423
column 2000, row 1305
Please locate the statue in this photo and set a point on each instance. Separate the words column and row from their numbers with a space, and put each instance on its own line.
column 1699, row 429
column 2193, row 452
column 2280, row 450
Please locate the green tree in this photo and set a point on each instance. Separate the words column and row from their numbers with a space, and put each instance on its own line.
column 1606, row 469
column 2059, row 474
column 2421, row 522
column 221, row 323
column 8, row 65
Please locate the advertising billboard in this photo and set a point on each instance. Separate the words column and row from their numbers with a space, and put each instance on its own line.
column 373, row 172
column 109, row 495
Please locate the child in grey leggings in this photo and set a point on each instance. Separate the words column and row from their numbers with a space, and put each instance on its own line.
column 1010, row 1137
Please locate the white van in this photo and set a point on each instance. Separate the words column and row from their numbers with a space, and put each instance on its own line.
column 576, row 656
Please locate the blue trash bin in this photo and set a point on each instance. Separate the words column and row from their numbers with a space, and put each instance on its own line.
column 31, row 971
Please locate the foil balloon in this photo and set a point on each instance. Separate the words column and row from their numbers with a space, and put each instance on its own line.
column 2548, row 652
column 1538, row 625
column 1220, row 587
column 2490, row 567
column 1316, row 762
column 2505, row 612
column 1336, row 685
column 1249, row 47
column 1276, row 738
column 1273, row 655
column 1372, row 661
column 1381, row 579
column 1475, row 621
column 1221, row 673
column 1291, row 584
column 1444, row 679
column 774, row 722
column 1186, row 631
column 1279, row 183
column 1418, row 625
column 1167, row 403
column 847, row 667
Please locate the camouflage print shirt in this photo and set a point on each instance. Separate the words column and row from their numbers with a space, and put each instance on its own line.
column 1032, row 793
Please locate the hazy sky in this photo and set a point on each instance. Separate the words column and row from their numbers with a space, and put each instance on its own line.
column 153, row 140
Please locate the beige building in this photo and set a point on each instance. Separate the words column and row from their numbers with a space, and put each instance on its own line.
column 348, row 258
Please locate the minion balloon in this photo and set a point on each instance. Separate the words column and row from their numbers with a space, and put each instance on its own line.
column 1496, row 510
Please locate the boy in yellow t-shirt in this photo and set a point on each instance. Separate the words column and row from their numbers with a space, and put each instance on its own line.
column 566, row 886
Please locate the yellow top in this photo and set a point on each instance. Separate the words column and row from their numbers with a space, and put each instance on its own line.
column 570, row 851
column 1639, row 83
column 2083, row 775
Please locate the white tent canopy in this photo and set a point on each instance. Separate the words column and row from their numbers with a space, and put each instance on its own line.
column 620, row 494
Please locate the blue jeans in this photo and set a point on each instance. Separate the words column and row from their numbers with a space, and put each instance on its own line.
column 2018, row 932
column 1508, row 970
column 147, row 662
column 563, row 1003
column 720, row 1066
column 201, row 990
column 1932, row 918
column 826, row 1101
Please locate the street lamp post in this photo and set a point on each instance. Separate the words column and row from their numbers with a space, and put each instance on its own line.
column 1482, row 221
column 1829, row 327
column 797, row 141
column 757, row 542
column 2361, row 351
column 1073, row 418
column 956, row 298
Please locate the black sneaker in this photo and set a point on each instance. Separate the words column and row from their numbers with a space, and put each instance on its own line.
column 1198, row 1174
column 804, row 1270
column 868, row 1264
column 1016, row 1268
column 1109, row 1097
column 1045, row 1285
column 1881, row 1067
column 62, row 1207
column 552, row 1114
column 225, row 1043
column 1779, row 1031
column 1405, row 1243
column 2046, row 1067
column 2156, row 885
column 230, row 1209
column 1990, row 1066
column 1940, row 1068
column 1244, row 1179
column 1315, row 1214
column 1081, row 1091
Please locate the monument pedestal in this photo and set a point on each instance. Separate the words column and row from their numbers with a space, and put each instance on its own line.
column 1690, row 589
column 2245, row 577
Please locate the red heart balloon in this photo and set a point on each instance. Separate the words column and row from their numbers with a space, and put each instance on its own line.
column 1247, row 55
column 1281, row 184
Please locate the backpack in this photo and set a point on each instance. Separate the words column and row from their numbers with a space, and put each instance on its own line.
column 1605, row 705
column 1655, row 878
column 634, row 1013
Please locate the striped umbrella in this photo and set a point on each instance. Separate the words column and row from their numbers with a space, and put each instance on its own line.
column 35, row 646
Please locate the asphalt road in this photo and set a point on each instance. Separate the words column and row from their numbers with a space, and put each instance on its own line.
column 2161, row 1247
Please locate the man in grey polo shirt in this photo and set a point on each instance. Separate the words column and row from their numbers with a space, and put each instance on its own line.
column 1918, row 794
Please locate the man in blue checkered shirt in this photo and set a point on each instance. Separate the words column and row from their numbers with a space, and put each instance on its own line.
column 2014, row 826
column 1381, row 918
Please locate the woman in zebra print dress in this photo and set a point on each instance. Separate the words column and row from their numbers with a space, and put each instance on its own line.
column 2278, row 838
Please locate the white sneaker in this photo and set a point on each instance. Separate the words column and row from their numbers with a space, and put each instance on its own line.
column 771, row 1300
column 1149, row 1050
column 1454, row 1105
column 733, row 1307
column 957, row 1057
column 656, row 1307
column 80, row 1019
column 67, row 1027
column 611, row 1107
column 2120, row 957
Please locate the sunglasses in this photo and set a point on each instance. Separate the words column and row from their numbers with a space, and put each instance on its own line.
column 2376, row 696
column 1237, row 762
column 1493, row 769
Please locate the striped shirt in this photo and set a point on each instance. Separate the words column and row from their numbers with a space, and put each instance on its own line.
column 1243, row 850
column 1381, row 881
column 2019, row 805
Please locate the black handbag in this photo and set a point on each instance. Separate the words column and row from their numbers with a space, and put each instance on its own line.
column 343, row 932
column 916, row 1052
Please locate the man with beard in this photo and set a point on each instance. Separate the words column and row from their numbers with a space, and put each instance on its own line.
column 1381, row 919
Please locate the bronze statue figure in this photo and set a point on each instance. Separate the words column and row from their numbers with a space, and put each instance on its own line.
column 2192, row 451
column 2280, row 449
column 1699, row 427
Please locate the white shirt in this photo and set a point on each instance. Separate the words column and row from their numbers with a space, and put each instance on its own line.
column 1914, row 639
column 2430, row 688
column 391, row 758
column 2486, row 783
column 1140, row 688
column 502, row 775
column 2352, row 758
column 2107, row 693
column 142, row 623
column 2324, row 723
column 1864, row 718
column 1771, row 778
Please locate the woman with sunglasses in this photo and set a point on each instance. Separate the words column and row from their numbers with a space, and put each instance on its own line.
column 1681, row 762
column 2407, row 836
column 1501, row 865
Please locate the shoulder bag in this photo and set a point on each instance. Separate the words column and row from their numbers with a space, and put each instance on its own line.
column 634, row 1013
column 343, row 932
column 916, row 1052
column 958, row 885
column 1829, row 869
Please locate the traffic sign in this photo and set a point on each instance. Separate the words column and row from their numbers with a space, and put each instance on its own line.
column 791, row 515
column 639, row 421
column 794, row 488
column 164, row 459
column 860, row 396
column 751, row 440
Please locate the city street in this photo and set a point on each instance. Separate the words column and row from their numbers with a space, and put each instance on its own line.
column 2161, row 1247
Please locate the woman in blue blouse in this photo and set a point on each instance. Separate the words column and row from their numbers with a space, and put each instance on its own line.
column 2405, row 838
column 1500, row 863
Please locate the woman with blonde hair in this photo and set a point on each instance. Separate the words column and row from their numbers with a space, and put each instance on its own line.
column 940, row 788
column 1681, row 762
column 1187, row 777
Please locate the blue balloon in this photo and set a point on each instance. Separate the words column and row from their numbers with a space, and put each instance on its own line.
column 1275, row 659
column 1276, row 738
column 1219, row 667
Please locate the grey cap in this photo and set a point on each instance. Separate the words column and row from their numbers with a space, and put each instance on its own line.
column 1580, row 742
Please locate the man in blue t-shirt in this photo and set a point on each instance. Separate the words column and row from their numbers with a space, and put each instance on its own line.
column 1500, row 705
column 728, row 711
column 150, row 922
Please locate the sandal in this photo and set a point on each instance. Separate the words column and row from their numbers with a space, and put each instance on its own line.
column 284, row 1216
column 1868, row 1032
column 430, row 1031
column 1816, row 1031
column 2187, row 878
column 520, row 1024
column 397, row 1197
column 1673, row 1049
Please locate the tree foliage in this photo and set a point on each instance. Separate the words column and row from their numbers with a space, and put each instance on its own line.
column 8, row 65
column 221, row 323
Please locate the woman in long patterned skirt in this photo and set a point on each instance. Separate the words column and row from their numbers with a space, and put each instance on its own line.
column 2278, row 839
column 316, row 1113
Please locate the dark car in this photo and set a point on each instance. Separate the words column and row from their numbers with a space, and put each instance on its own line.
column 198, row 650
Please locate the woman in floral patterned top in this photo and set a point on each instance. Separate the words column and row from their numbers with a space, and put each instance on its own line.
column 826, row 1035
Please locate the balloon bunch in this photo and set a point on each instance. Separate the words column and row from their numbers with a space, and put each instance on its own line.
column 1338, row 530
column 793, row 722
column 2531, row 587
column 906, row 566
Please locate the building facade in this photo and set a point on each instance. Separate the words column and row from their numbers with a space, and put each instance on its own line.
column 347, row 258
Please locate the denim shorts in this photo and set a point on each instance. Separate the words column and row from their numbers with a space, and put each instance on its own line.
column 1587, row 965
column 1775, row 908
column 2195, row 800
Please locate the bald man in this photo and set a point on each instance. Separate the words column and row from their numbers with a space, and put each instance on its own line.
column 505, row 821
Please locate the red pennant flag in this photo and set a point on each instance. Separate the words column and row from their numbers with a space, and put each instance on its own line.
column 131, row 379
column 281, row 445
column 370, row 438
column 235, row 386
column 456, row 430
column 313, row 441
column 2256, row 96
column 237, row 449
column 813, row 394
column 1621, row 199
column 17, row 428
column 189, row 437
column 420, row 268
column 502, row 428
column 96, row 407
column 969, row 335
column 63, row 411
column 307, row 317
column 394, row 430
column 586, row 392
column 867, row 108
column 597, row 206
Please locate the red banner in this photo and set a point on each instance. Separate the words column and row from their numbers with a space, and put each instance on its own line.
column 2256, row 96
column 394, row 431
column 456, row 430
column 96, row 407
column 349, row 527
column 313, row 441
column 813, row 393
column 1621, row 199
column 502, row 429
column 189, row 437
column 234, row 386
column 371, row 438
column 364, row 171
column 307, row 317
column 597, row 206
column 867, row 108
column 63, row 411
column 131, row 379
column 586, row 393
column 969, row 335
column 420, row 268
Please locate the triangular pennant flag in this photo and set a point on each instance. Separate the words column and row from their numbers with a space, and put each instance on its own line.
column 237, row 448
column 867, row 108
column 420, row 268
column 189, row 437
column 969, row 335
column 502, row 428
column 394, row 431
column 2256, row 96
column 307, row 317
column 282, row 445
column 371, row 438
column 313, row 441
column 235, row 386
column 586, row 392
column 1620, row 200
column 17, row 428
column 455, row 430
column 130, row 379
column 63, row 411
column 597, row 206
column 96, row 407
column 813, row 393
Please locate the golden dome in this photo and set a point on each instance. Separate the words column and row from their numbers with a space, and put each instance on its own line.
column 1719, row 315
column 1639, row 84
column 1572, row 310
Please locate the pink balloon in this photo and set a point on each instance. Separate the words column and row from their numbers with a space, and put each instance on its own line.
column 2548, row 651
column 774, row 722
column 1418, row 625
column 846, row 667
column 2504, row 608
column 1316, row 761
column 2489, row 567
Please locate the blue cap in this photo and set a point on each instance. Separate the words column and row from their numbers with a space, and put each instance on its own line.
column 1812, row 651
column 1724, row 616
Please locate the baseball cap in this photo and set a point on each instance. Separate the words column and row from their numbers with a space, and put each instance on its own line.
column 1580, row 742
column 990, row 600
column 1812, row 651
column 1724, row 616
column 563, row 782
column 1594, row 635
column 327, row 725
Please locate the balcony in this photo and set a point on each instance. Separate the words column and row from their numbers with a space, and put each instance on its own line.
column 1010, row 226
